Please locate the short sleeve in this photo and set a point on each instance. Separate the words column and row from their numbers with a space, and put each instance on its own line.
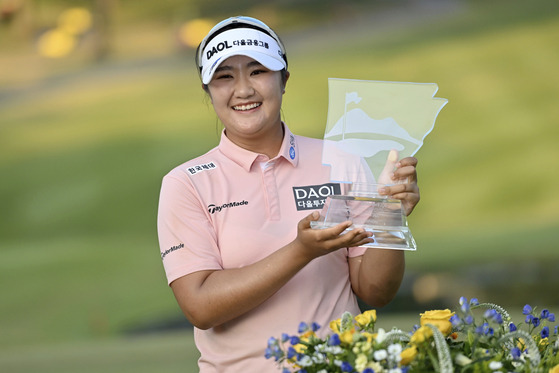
column 187, row 239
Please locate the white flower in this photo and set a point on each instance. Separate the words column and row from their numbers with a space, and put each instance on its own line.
column 395, row 349
column 305, row 361
column 334, row 350
column 380, row 355
column 495, row 365
column 381, row 335
column 395, row 370
column 322, row 371
column 361, row 362
column 318, row 358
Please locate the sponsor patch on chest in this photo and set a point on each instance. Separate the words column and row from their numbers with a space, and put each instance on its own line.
column 313, row 197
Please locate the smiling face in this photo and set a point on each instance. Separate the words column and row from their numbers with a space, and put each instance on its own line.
column 247, row 98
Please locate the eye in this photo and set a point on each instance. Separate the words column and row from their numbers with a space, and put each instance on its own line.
column 223, row 76
column 259, row 71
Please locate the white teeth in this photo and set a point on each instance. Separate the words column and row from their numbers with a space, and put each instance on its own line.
column 247, row 107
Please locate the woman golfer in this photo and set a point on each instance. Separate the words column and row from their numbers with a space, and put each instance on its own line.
column 235, row 239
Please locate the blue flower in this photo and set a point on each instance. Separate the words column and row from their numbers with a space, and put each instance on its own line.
column 551, row 317
column 512, row 327
column 368, row 370
column 498, row 318
column 272, row 341
column 490, row 313
column 302, row 370
column 464, row 305
column 285, row 370
column 515, row 353
column 474, row 302
column 544, row 314
column 334, row 340
column 315, row 327
column 346, row 367
column 284, row 337
column 557, row 329
column 455, row 320
column 536, row 321
column 294, row 340
column 273, row 349
column 291, row 352
column 469, row 319
column 493, row 315
column 485, row 329
column 545, row 332
column 303, row 327
column 529, row 319
column 268, row 353
column 527, row 310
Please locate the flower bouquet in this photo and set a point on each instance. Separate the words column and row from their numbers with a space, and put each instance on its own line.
column 477, row 337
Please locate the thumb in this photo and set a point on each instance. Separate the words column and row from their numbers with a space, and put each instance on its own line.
column 386, row 174
column 306, row 221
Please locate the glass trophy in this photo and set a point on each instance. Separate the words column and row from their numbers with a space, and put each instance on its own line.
column 370, row 126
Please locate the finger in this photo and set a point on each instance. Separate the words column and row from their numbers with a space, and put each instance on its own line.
column 305, row 223
column 354, row 237
column 401, row 191
column 407, row 161
column 406, row 172
column 361, row 238
column 334, row 232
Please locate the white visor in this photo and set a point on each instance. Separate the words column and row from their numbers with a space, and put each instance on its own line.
column 242, row 41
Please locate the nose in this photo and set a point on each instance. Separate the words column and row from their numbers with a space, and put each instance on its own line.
column 243, row 86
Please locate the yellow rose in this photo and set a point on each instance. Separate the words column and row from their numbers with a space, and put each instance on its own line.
column 369, row 336
column 307, row 335
column 408, row 355
column 555, row 369
column 335, row 325
column 439, row 318
column 421, row 334
column 366, row 317
column 300, row 348
column 347, row 336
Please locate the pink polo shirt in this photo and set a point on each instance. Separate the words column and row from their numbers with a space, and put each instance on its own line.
column 231, row 207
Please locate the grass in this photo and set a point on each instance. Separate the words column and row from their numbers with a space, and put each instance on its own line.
column 82, row 156
column 173, row 352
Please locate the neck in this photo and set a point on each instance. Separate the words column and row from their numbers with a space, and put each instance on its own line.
column 268, row 144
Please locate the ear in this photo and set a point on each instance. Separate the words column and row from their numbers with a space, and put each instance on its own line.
column 207, row 90
column 287, row 74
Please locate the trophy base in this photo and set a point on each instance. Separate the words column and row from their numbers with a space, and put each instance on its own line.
column 384, row 217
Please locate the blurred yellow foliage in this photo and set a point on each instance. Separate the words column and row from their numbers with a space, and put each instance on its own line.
column 75, row 21
column 55, row 44
column 192, row 32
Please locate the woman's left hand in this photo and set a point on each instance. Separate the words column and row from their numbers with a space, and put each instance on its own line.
column 404, row 181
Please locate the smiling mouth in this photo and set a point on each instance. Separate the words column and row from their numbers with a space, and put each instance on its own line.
column 247, row 107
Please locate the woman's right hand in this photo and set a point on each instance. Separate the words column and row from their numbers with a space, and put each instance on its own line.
column 317, row 242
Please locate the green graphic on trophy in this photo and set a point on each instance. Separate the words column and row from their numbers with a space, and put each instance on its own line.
column 369, row 124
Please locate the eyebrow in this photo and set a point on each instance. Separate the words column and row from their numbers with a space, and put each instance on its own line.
column 227, row 67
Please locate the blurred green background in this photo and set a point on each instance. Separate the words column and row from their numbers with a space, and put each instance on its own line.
column 87, row 134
